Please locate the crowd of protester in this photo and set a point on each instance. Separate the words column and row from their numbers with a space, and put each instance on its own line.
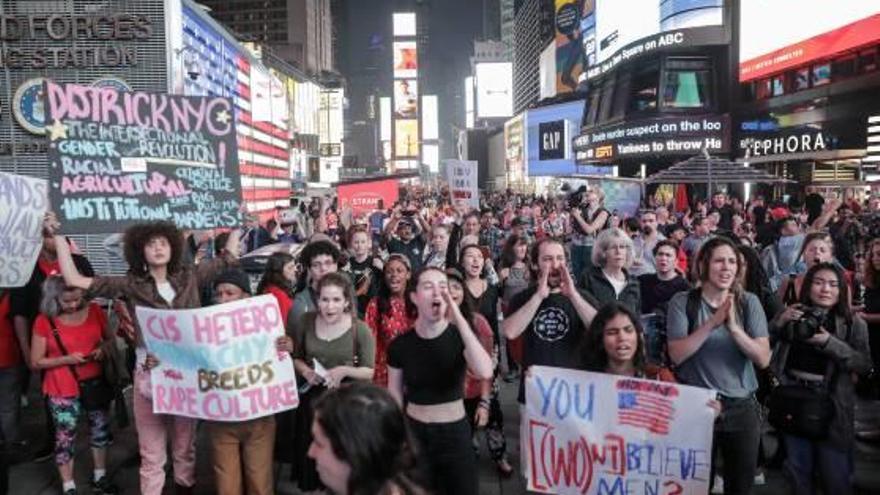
column 420, row 311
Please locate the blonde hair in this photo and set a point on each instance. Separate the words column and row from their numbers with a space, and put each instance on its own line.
column 604, row 241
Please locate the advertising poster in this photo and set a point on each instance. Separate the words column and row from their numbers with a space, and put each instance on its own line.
column 514, row 148
column 462, row 178
column 406, row 98
column 219, row 363
column 406, row 138
column 406, row 61
column 363, row 197
column 596, row 433
column 569, row 49
column 120, row 158
column 549, row 147
column 494, row 93
column 23, row 202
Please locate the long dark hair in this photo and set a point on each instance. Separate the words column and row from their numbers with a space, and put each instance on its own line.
column 383, row 295
column 593, row 352
column 840, row 309
column 139, row 235
column 367, row 430
column 508, row 252
column 274, row 274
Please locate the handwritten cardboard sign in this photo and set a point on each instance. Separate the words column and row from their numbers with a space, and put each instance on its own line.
column 219, row 363
column 23, row 203
column 462, row 177
column 596, row 433
column 118, row 158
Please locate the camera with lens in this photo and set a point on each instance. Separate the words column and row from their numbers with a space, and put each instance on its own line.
column 807, row 325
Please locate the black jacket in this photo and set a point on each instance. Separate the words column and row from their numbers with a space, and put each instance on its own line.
column 594, row 283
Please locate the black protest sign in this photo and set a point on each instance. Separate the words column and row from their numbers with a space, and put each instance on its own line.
column 119, row 158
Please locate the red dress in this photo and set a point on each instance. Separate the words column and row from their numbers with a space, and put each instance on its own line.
column 386, row 327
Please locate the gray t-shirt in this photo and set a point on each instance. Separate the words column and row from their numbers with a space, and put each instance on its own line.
column 719, row 363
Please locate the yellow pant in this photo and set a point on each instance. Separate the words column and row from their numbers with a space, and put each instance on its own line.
column 243, row 456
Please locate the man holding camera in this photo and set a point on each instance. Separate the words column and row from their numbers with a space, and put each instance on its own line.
column 408, row 239
column 588, row 217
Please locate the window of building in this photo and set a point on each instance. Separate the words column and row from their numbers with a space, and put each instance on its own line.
column 779, row 85
column 621, row 96
column 762, row 89
column 821, row 74
column 801, row 79
column 593, row 107
column 843, row 68
column 687, row 83
column 607, row 101
column 644, row 89
column 867, row 61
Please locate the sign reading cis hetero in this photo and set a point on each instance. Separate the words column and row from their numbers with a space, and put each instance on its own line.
column 668, row 136
column 118, row 158
column 219, row 362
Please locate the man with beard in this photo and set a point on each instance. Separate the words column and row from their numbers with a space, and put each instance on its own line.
column 643, row 245
column 551, row 315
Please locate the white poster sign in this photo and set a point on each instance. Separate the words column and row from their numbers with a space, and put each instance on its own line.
column 462, row 178
column 596, row 433
column 220, row 363
column 23, row 203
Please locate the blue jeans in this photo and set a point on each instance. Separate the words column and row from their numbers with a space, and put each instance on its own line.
column 806, row 457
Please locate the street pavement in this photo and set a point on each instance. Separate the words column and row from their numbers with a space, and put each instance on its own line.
column 33, row 478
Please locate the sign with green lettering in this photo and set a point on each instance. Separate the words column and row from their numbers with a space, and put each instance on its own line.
column 118, row 158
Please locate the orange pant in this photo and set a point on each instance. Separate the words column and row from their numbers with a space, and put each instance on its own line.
column 242, row 452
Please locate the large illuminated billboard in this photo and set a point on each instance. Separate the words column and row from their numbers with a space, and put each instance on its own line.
column 406, row 138
column 385, row 118
column 430, row 121
column 406, row 60
column 404, row 24
column 406, row 98
column 769, row 46
column 615, row 31
column 494, row 90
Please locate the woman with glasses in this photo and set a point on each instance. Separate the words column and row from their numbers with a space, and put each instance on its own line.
column 609, row 280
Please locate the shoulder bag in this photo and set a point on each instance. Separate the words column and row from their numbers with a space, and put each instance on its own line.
column 95, row 394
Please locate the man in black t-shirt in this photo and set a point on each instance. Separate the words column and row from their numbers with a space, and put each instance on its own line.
column 551, row 315
column 658, row 288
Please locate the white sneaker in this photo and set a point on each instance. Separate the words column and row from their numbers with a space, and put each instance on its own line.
column 760, row 480
column 718, row 486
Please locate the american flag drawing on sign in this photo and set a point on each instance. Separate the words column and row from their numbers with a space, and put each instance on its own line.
column 646, row 410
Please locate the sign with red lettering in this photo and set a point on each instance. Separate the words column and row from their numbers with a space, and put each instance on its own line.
column 122, row 157
column 219, row 362
column 591, row 433
column 363, row 197
column 462, row 178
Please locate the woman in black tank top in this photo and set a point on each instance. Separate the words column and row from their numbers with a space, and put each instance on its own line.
column 426, row 369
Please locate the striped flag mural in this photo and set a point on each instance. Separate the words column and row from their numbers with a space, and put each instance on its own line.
column 873, row 148
column 263, row 146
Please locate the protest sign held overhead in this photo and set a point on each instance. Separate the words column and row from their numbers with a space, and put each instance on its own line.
column 594, row 433
column 23, row 203
column 119, row 158
column 220, row 363
column 462, row 177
